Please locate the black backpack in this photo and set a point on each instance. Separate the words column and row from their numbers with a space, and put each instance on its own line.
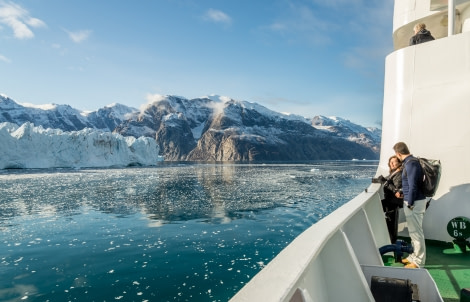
column 431, row 175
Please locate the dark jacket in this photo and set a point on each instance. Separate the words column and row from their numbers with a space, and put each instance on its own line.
column 412, row 180
column 422, row 36
column 392, row 185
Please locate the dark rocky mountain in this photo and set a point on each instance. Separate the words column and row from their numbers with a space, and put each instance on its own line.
column 213, row 128
column 228, row 130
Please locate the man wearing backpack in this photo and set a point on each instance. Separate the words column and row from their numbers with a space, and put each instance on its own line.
column 414, row 204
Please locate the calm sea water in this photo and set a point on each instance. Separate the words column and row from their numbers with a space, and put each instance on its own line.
column 176, row 232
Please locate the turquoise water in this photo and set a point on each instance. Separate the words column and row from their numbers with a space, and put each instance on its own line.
column 176, row 232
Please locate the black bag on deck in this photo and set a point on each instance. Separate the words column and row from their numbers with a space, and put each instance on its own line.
column 393, row 289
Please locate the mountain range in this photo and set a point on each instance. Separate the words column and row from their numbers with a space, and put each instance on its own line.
column 211, row 128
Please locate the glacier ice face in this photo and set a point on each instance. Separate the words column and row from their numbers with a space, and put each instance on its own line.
column 27, row 146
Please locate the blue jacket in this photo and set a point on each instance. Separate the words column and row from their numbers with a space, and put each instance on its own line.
column 412, row 180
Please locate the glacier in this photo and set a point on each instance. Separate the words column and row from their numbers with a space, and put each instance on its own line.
column 28, row 146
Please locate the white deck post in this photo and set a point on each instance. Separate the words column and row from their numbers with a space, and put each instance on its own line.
column 450, row 18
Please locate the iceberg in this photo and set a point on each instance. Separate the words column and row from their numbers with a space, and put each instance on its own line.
column 27, row 146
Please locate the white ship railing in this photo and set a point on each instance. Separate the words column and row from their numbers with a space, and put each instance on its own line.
column 326, row 255
column 333, row 260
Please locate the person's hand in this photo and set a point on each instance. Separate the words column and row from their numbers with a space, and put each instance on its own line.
column 405, row 203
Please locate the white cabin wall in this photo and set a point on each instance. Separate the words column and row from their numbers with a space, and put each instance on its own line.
column 409, row 11
column 427, row 105
column 406, row 11
column 397, row 89
column 465, row 16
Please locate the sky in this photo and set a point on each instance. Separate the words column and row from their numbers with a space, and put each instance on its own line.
column 305, row 57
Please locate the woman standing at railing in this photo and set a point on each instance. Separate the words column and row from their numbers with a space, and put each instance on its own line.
column 393, row 196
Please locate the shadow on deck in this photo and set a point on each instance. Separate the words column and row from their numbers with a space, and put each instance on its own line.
column 450, row 271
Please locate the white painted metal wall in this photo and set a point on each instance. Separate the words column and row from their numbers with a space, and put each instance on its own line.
column 427, row 105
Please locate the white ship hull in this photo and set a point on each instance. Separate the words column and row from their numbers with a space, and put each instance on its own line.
column 427, row 106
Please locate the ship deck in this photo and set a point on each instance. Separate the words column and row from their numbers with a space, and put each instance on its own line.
column 449, row 268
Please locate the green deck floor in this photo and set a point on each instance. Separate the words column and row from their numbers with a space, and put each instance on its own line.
column 450, row 271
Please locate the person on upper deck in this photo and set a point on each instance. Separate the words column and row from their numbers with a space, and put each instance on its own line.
column 421, row 34
column 414, row 204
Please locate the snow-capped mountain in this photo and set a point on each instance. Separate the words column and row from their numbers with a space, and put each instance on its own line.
column 109, row 117
column 213, row 128
column 220, row 128
column 344, row 128
column 63, row 117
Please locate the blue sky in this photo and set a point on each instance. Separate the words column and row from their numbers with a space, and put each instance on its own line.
column 307, row 57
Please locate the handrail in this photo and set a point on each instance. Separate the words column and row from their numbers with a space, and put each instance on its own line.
column 347, row 238
column 451, row 18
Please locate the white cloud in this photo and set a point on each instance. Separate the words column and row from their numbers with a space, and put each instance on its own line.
column 78, row 36
column 217, row 16
column 278, row 27
column 372, row 28
column 34, row 22
column 218, row 107
column 4, row 59
column 19, row 20
column 302, row 24
column 151, row 99
column 340, row 3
